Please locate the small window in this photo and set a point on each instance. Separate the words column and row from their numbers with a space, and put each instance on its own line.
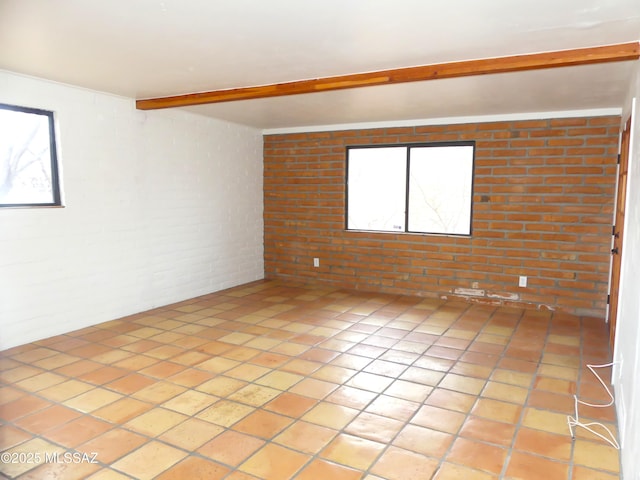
column 28, row 161
column 413, row 188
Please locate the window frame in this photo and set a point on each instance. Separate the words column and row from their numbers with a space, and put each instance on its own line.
column 56, row 191
column 408, row 147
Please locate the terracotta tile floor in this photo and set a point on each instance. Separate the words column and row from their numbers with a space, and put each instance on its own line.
column 274, row 381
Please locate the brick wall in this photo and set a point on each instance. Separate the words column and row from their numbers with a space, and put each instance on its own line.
column 542, row 207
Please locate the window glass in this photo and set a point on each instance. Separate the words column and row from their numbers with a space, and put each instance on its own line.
column 413, row 188
column 377, row 189
column 440, row 180
column 28, row 162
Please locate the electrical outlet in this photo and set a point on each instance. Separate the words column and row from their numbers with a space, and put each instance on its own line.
column 316, row 262
column 522, row 281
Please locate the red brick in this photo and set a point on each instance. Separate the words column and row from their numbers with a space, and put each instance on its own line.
column 585, row 151
column 549, row 188
column 526, row 143
column 569, row 122
column 558, row 132
column 586, row 131
column 501, row 126
column 565, row 142
column 610, row 120
column 546, row 152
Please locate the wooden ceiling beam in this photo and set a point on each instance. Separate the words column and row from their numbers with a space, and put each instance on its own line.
column 515, row 63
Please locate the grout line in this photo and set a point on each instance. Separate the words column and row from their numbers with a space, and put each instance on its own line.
column 518, row 424
column 355, row 300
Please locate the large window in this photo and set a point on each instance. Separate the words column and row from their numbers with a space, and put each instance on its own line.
column 423, row 188
column 28, row 162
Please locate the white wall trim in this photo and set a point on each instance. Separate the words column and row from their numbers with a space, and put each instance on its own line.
column 596, row 112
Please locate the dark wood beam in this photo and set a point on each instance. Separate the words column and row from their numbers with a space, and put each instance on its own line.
column 515, row 63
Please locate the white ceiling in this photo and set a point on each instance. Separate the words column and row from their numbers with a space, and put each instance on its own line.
column 152, row 48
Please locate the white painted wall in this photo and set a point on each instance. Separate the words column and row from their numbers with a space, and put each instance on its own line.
column 160, row 206
column 627, row 348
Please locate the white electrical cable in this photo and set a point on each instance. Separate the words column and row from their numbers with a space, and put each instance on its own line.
column 575, row 421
